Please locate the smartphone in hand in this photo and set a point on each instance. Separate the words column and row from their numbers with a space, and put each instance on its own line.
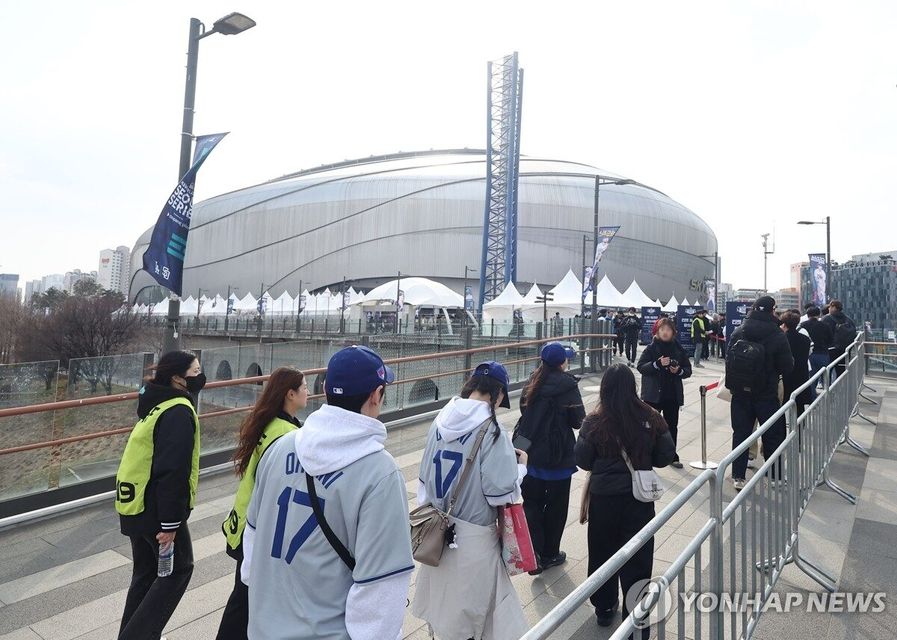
column 522, row 442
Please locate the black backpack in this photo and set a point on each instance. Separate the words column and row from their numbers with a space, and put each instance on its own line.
column 745, row 366
column 845, row 334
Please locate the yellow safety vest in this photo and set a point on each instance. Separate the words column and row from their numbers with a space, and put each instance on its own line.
column 137, row 461
column 236, row 520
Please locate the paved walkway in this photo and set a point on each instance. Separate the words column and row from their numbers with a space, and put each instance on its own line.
column 65, row 578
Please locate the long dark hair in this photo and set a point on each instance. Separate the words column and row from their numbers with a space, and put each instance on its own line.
column 489, row 386
column 266, row 408
column 535, row 381
column 620, row 415
column 173, row 363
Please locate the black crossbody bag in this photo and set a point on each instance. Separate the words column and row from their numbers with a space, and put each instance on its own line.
column 338, row 546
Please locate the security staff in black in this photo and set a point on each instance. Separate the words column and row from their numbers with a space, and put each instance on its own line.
column 155, row 491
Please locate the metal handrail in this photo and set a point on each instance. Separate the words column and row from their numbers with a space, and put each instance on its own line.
column 122, row 397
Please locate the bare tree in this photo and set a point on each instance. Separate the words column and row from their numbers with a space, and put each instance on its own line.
column 11, row 316
column 95, row 327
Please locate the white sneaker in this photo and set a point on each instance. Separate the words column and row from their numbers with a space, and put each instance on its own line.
column 738, row 483
column 751, row 464
column 778, row 484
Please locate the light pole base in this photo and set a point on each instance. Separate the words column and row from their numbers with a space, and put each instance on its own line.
column 698, row 464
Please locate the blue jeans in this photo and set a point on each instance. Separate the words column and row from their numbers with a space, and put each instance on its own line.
column 699, row 350
column 818, row 361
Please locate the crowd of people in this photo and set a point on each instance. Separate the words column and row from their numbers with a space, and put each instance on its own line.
column 319, row 527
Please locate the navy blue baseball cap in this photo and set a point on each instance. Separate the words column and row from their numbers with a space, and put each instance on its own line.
column 493, row 369
column 571, row 352
column 554, row 354
column 355, row 371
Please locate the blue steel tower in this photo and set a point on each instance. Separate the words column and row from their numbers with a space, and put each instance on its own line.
column 504, row 101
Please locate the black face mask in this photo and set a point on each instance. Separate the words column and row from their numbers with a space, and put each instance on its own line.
column 195, row 384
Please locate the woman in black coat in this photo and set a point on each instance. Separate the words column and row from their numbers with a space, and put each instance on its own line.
column 550, row 409
column 664, row 365
column 620, row 422
column 800, row 349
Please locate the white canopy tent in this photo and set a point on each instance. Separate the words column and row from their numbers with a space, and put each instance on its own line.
column 685, row 303
column 635, row 297
column 282, row 305
column 531, row 295
column 418, row 292
column 607, row 293
column 502, row 307
column 189, row 306
column 568, row 291
column 671, row 306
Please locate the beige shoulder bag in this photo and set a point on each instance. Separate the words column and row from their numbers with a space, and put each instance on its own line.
column 429, row 524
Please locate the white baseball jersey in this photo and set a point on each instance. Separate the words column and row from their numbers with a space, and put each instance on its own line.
column 299, row 584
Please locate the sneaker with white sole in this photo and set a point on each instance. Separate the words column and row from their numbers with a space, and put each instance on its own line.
column 738, row 483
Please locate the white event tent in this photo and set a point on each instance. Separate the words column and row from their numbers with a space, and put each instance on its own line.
column 502, row 307
column 635, row 297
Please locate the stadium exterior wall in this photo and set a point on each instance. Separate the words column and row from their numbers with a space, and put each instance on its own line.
column 422, row 214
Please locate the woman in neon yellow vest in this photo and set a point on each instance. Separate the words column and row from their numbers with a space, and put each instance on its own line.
column 274, row 415
column 156, row 488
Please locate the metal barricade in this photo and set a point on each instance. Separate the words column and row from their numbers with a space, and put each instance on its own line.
column 749, row 538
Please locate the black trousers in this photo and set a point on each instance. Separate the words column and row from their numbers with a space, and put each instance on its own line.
column 235, row 620
column 631, row 345
column 545, row 504
column 669, row 408
column 619, row 342
column 151, row 600
column 745, row 410
column 613, row 520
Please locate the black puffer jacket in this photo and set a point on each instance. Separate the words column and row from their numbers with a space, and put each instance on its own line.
column 167, row 497
column 610, row 475
column 549, row 418
column 656, row 380
column 763, row 327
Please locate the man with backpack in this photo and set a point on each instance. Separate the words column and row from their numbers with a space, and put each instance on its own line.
column 844, row 332
column 758, row 355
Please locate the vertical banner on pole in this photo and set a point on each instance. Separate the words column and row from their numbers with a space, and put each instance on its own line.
column 735, row 314
column 164, row 257
column 605, row 235
column 649, row 317
column 818, row 279
column 685, row 315
column 710, row 290
column 468, row 298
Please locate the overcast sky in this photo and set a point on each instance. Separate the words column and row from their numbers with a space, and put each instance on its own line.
column 753, row 114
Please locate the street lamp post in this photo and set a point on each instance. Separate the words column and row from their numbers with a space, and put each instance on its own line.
column 598, row 182
column 229, row 25
column 464, row 294
column 828, row 245
column 715, row 257
column 227, row 306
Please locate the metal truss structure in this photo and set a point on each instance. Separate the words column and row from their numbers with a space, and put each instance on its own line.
column 504, row 101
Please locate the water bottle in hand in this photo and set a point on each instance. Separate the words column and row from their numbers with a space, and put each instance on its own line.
column 166, row 559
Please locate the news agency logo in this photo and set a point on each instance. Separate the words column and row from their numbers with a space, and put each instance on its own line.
column 652, row 602
column 742, row 309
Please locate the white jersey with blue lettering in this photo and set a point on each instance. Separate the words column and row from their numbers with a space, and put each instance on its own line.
column 298, row 585
column 495, row 478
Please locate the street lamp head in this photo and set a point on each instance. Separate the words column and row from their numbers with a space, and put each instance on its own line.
column 232, row 24
column 806, row 222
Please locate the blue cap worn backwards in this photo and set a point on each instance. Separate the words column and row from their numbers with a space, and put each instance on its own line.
column 355, row 371
column 496, row 370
